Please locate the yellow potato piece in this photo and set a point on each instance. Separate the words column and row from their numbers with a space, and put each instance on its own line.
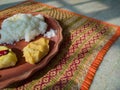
column 7, row 60
column 36, row 50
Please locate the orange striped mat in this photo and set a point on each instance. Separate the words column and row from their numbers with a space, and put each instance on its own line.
column 85, row 42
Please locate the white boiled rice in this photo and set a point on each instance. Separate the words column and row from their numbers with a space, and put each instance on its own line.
column 22, row 26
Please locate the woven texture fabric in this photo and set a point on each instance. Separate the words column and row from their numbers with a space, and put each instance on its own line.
column 85, row 42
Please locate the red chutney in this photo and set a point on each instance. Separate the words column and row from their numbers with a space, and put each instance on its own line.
column 4, row 52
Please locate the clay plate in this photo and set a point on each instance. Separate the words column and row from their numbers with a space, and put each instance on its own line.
column 23, row 70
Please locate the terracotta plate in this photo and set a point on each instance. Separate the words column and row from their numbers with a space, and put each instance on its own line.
column 23, row 70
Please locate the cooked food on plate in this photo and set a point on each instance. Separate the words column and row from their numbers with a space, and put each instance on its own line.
column 7, row 57
column 22, row 26
column 36, row 50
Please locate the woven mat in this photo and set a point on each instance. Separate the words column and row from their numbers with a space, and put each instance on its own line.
column 85, row 42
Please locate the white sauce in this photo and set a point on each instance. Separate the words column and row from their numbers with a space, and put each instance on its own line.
column 50, row 33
